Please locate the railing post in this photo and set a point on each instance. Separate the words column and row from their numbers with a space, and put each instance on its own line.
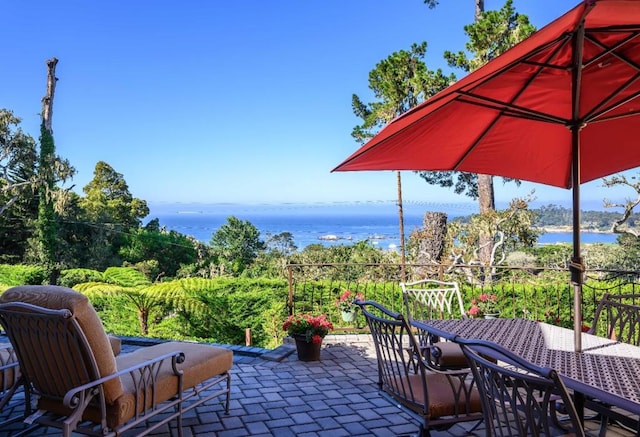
column 290, row 298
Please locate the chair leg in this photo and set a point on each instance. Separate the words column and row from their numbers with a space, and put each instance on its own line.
column 424, row 431
column 179, row 420
column 27, row 431
column 228, row 400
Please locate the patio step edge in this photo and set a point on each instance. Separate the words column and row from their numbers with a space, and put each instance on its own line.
column 280, row 353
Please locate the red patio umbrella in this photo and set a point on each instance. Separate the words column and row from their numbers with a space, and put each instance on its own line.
column 560, row 108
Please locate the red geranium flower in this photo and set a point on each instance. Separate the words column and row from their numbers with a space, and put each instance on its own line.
column 313, row 328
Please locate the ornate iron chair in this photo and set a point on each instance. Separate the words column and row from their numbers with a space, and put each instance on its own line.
column 621, row 316
column 430, row 299
column 66, row 361
column 11, row 381
column 617, row 317
column 518, row 397
column 440, row 398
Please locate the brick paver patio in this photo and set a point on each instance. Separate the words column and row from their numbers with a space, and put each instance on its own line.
column 274, row 394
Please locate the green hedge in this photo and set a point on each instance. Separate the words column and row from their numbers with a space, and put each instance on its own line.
column 71, row 277
column 234, row 304
column 11, row 275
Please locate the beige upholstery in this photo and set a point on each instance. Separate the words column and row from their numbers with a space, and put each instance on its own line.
column 9, row 371
column 439, row 388
column 78, row 345
column 9, row 382
column 201, row 363
column 449, row 355
column 54, row 297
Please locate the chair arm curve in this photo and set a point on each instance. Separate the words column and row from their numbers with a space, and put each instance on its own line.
column 71, row 397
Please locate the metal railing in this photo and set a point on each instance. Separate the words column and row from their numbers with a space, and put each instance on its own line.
column 536, row 293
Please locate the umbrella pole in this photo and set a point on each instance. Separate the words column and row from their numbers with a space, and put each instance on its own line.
column 576, row 266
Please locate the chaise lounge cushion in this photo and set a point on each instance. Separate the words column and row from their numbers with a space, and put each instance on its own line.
column 9, row 372
column 55, row 297
column 201, row 362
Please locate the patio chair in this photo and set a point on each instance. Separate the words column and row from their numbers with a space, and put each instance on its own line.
column 518, row 397
column 618, row 318
column 430, row 299
column 11, row 381
column 622, row 318
column 440, row 398
column 67, row 362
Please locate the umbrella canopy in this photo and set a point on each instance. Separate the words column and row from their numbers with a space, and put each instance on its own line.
column 560, row 108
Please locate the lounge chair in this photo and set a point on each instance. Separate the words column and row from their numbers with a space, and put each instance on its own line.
column 67, row 362
column 11, row 382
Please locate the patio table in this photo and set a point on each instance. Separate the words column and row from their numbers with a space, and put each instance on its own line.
column 605, row 369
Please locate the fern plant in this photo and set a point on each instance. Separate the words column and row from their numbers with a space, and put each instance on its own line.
column 152, row 301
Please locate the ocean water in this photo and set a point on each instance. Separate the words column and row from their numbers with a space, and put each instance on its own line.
column 328, row 225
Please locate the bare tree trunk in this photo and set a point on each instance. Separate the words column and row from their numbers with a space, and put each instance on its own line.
column 46, row 223
column 47, row 100
column 485, row 182
column 486, row 196
column 431, row 243
column 479, row 8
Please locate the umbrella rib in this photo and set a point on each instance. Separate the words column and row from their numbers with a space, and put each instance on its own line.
column 594, row 116
column 602, row 107
column 561, row 41
column 522, row 111
column 611, row 50
column 545, row 65
column 511, row 109
column 618, row 116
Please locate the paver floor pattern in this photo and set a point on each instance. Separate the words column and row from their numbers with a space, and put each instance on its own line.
column 337, row 396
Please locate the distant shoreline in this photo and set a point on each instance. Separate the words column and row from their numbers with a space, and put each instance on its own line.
column 563, row 229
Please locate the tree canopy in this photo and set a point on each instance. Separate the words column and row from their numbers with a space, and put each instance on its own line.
column 399, row 82
column 108, row 199
column 236, row 244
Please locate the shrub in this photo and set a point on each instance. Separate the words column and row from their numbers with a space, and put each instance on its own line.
column 70, row 278
column 22, row 275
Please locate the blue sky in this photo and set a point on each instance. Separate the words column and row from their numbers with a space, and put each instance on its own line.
column 231, row 101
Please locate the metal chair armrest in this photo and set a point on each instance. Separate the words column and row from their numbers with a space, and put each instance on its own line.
column 70, row 399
